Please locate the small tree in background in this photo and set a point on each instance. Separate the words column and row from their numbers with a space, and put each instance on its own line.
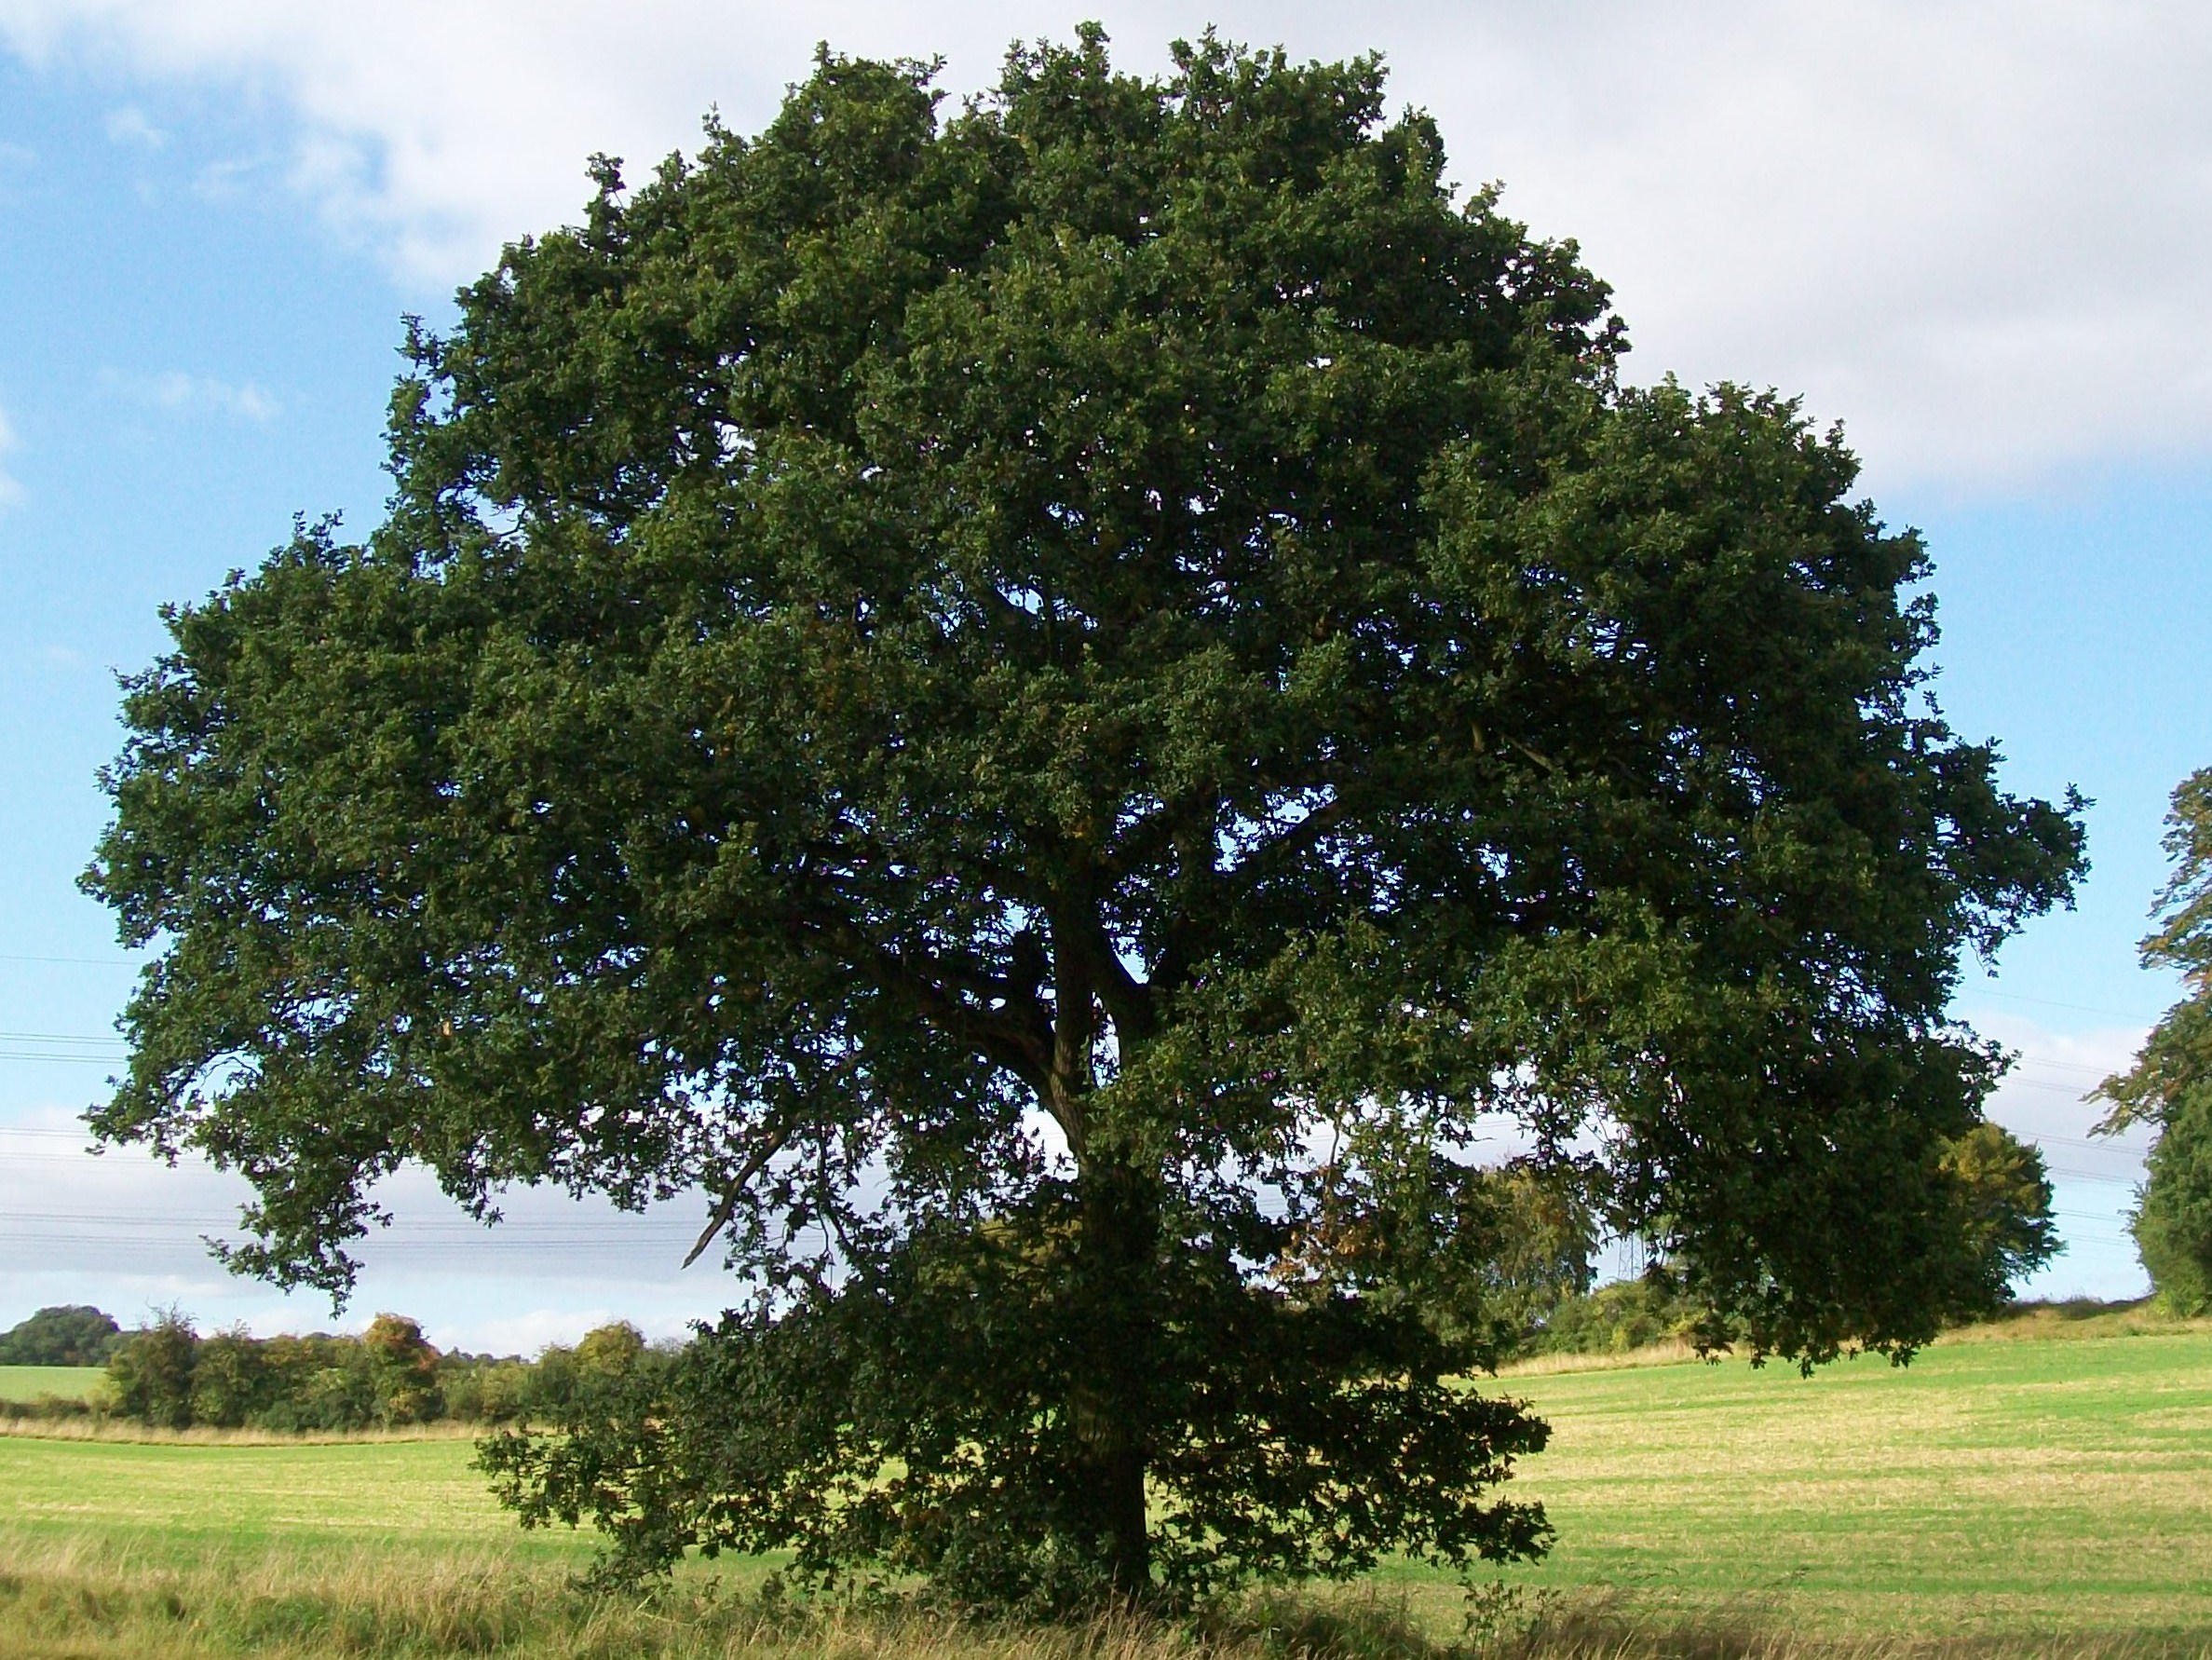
column 1056, row 703
column 2003, row 1196
column 610, row 1349
column 2169, row 1087
column 403, row 1369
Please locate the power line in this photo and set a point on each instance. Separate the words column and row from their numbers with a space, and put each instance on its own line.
column 2052, row 1063
column 2014, row 997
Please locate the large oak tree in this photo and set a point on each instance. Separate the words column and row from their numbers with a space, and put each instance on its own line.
column 1065, row 704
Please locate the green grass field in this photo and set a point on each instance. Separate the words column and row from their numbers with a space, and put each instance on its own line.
column 181, row 1502
column 2040, row 1485
column 2003, row 1494
column 28, row 1383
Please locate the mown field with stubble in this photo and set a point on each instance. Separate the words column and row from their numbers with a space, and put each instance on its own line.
column 2044, row 1489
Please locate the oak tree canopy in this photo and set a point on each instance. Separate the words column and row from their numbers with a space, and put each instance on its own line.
column 1077, row 707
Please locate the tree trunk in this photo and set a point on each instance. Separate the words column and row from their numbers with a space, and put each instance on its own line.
column 1116, row 1273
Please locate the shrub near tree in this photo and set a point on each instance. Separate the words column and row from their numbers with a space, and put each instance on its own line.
column 1057, row 702
column 232, row 1383
column 2170, row 1085
column 149, row 1377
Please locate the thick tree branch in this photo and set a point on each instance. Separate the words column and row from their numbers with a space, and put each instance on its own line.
column 1023, row 1046
column 1299, row 838
column 1083, row 938
column 1018, row 1039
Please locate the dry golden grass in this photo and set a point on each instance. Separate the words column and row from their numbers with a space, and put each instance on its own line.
column 2044, row 1322
column 2030, row 1323
column 1671, row 1352
column 88, row 1600
column 91, row 1601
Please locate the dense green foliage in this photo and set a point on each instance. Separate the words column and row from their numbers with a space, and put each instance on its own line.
column 2173, row 1216
column 72, row 1335
column 1062, row 705
column 388, row 1376
column 2170, row 1084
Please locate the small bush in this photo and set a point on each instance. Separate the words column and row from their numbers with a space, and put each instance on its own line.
column 45, row 1408
column 230, row 1380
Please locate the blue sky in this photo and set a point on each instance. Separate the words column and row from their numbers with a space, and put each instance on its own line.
column 1976, row 241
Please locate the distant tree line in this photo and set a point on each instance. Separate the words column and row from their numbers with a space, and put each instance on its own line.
column 168, row 1376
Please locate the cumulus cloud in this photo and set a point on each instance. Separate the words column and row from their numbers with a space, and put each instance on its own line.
column 1974, row 231
column 175, row 391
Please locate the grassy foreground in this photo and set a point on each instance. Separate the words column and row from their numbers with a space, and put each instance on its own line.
column 2048, row 1495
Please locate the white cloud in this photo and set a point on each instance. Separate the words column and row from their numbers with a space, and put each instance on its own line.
column 129, row 126
column 11, row 492
column 2045, row 1094
column 1974, row 231
column 231, row 177
column 175, row 391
